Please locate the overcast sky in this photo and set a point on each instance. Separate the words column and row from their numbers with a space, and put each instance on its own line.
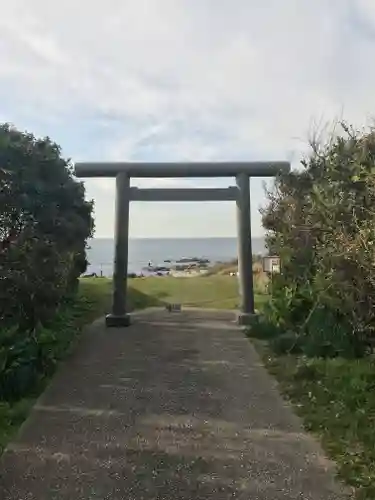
column 184, row 80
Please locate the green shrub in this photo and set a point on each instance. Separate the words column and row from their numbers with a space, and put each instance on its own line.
column 320, row 221
column 44, row 224
column 287, row 343
column 27, row 359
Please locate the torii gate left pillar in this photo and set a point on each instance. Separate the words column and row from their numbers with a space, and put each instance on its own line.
column 119, row 316
column 242, row 171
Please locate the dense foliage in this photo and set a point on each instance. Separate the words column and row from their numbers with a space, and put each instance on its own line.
column 320, row 220
column 44, row 224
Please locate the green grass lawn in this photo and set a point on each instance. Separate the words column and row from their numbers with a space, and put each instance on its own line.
column 213, row 292
column 217, row 292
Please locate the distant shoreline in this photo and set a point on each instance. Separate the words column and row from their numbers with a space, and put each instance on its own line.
column 100, row 253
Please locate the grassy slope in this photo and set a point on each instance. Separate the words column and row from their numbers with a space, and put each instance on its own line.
column 214, row 291
column 336, row 400
column 219, row 292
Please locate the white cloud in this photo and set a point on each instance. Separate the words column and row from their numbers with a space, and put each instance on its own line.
column 184, row 79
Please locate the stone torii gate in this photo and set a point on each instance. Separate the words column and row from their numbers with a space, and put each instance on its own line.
column 240, row 193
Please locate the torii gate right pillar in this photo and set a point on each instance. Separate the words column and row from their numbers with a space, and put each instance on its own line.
column 245, row 261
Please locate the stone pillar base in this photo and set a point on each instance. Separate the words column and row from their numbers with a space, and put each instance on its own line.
column 247, row 319
column 113, row 321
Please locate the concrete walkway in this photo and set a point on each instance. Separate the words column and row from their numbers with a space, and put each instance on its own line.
column 175, row 407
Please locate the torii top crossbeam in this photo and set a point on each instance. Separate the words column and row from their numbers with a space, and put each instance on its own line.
column 182, row 169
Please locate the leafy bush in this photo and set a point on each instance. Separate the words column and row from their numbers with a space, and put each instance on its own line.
column 320, row 220
column 45, row 222
column 27, row 359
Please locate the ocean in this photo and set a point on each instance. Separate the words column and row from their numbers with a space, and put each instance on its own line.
column 144, row 250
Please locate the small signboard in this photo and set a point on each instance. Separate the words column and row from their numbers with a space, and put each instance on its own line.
column 271, row 264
